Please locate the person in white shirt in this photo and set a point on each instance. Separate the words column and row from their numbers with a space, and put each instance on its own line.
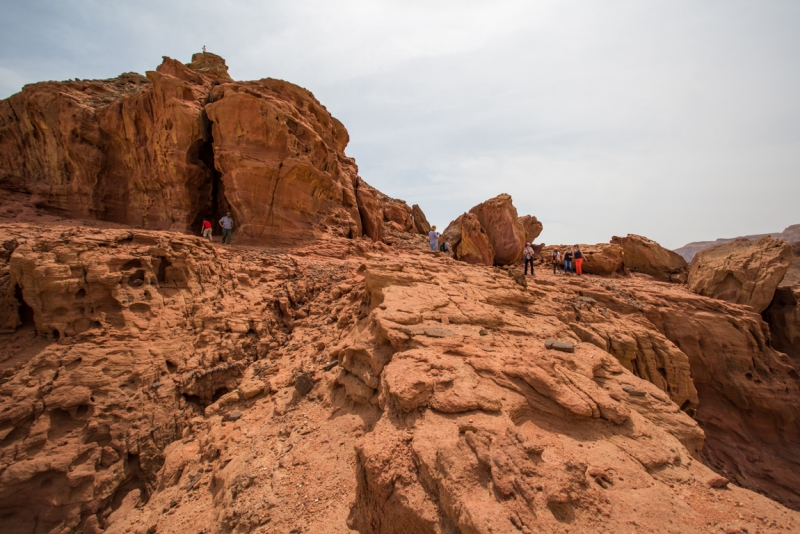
column 433, row 235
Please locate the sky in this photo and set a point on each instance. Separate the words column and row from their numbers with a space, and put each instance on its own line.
column 677, row 120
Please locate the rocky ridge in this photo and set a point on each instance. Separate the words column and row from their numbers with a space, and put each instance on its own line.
column 175, row 385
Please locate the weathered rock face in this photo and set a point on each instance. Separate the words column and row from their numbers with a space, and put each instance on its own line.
column 790, row 234
column 209, row 381
column 646, row 256
column 183, row 144
column 532, row 227
column 469, row 240
column 792, row 276
column 420, row 221
column 783, row 317
column 747, row 392
column 743, row 272
column 438, row 347
column 603, row 259
column 498, row 217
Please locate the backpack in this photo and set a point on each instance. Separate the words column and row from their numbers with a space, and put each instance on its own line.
column 442, row 248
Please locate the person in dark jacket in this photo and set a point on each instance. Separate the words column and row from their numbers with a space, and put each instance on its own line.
column 567, row 261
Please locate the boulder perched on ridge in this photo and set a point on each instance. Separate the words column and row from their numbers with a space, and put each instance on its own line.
column 499, row 219
column 644, row 255
column 742, row 271
column 533, row 227
column 469, row 240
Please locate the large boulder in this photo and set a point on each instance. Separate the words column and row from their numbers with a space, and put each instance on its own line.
column 499, row 219
column 469, row 240
column 420, row 221
column 742, row 272
column 644, row 255
column 533, row 227
column 371, row 211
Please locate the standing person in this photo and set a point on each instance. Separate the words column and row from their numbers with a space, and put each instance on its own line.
column 527, row 254
column 567, row 261
column 207, row 229
column 448, row 248
column 556, row 260
column 433, row 235
column 578, row 260
column 227, row 228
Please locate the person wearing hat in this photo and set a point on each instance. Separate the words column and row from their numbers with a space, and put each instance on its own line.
column 227, row 228
column 527, row 254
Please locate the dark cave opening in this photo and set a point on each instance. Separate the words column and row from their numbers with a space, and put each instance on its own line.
column 211, row 202
column 25, row 312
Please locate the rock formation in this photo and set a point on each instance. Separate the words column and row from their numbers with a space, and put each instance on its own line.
column 533, row 228
column 420, row 221
column 170, row 374
column 152, row 381
column 469, row 240
column 643, row 255
column 491, row 233
column 498, row 217
column 790, row 234
column 741, row 271
column 783, row 317
column 184, row 143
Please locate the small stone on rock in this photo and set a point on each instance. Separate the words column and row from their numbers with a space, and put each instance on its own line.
column 563, row 346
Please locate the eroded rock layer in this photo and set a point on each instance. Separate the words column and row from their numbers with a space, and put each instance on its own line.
column 743, row 271
column 177, row 386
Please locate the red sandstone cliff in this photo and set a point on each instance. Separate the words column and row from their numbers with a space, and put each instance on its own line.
column 184, row 143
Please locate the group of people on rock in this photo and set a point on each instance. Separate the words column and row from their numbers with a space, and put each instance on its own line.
column 446, row 247
column 573, row 260
column 227, row 229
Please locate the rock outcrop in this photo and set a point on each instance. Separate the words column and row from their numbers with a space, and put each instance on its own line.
column 783, row 317
column 469, row 240
column 533, row 227
column 185, row 143
column 743, row 271
column 644, row 255
column 499, row 219
column 791, row 234
column 213, row 383
column 420, row 221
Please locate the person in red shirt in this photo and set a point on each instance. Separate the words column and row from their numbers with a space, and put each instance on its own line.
column 207, row 229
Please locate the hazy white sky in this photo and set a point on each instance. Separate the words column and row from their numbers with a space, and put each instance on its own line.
column 678, row 120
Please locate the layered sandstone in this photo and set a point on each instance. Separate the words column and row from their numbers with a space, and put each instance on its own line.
column 186, row 143
column 743, row 271
column 644, row 255
column 177, row 386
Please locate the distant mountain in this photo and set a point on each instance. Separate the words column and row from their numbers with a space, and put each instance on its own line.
column 790, row 235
